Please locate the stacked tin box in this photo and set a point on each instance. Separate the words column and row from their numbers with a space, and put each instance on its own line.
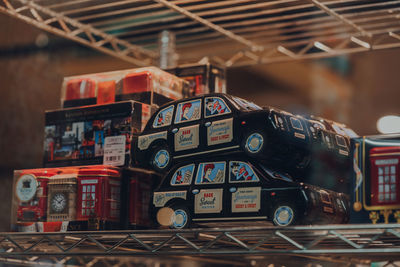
column 88, row 154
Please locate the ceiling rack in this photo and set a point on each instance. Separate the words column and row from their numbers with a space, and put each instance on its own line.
column 229, row 32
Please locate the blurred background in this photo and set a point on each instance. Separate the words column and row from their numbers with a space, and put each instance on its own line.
column 355, row 89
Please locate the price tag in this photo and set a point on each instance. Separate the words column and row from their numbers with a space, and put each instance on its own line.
column 114, row 150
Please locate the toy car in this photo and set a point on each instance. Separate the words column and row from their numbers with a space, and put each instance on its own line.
column 217, row 122
column 240, row 188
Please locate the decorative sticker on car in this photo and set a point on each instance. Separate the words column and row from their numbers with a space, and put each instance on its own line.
column 220, row 132
column 246, row 199
column 164, row 117
column 208, row 201
column 187, row 138
column 161, row 198
column 241, row 172
column 183, row 176
column 211, row 172
column 145, row 140
column 215, row 106
column 188, row 111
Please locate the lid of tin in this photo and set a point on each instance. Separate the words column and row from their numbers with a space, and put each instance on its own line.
column 26, row 187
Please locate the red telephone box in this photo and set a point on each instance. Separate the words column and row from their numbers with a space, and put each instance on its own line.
column 98, row 193
column 33, row 208
column 385, row 168
column 140, row 192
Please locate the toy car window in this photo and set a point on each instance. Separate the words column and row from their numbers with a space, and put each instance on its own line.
column 211, row 173
column 340, row 141
column 215, row 106
column 247, row 105
column 296, row 124
column 325, row 197
column 280, row 122
column 164, row 117
column 188, row 111
column 183, row 175
column 277, row 175
column 241, row 172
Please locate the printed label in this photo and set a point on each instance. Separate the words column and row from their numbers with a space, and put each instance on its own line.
column 298, row 135
column 146, row 140
column 386, row 161
column 246, row 199
column 220, row 132
column 114, row 150
column 91, row 181
column 187, row 138
column 26, row 187
column 208, row 201
column 161, row 198
column 27, row 227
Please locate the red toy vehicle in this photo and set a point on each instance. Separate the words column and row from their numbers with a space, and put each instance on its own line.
column 31, row 191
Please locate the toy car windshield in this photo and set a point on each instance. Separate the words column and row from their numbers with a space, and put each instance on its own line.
column 276, row 174
column 247, row 105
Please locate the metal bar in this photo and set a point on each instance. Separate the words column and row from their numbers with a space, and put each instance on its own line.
column 215, row 27
column 164, row 243
column 316, row 241
column 291, row 241
column 236, row 240
column 55, row 243
column 147, row 55
column 191, row 8
column 14, row 242
column 351, row 243
column 212, row 242
column 340, row 17
column 80, row 241
column 188, row 242
column 258, row 21
column 140, row 242
column 96, row 242
column 119, row 243
column 261, row 242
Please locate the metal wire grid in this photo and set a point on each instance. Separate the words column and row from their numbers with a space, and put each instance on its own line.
column 350, row 243
column 231, row 32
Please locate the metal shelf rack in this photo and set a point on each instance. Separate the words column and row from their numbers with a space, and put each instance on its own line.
column 230, row 32
column 358, row 244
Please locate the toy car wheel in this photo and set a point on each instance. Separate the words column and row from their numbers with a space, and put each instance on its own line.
column 161, row 159
column 181, row 218
column 284, row 215
column 253, row 143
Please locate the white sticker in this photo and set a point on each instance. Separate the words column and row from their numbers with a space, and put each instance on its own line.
column 161, row 198
column 208, row 201
column 246, row 199
column 114, row 150
column 27, row 227
column 187, row 138
column 220, row 132
column 146, row 140
column 64, row 226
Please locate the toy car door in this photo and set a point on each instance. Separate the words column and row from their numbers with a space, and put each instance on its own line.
column 208, row 191
column 186, row 129
column 218, row 122
column 244, row 190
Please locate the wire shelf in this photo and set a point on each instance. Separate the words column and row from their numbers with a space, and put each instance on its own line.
column 340, row 243
column 230, row 32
